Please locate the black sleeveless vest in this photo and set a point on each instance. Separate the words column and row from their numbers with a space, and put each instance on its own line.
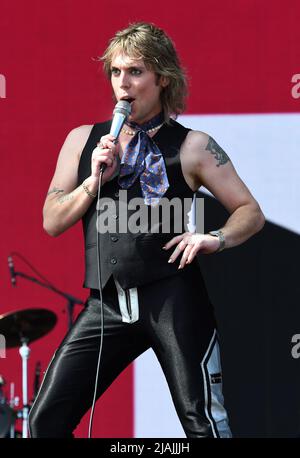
column 133, row 258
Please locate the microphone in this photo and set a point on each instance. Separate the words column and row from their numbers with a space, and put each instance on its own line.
column 121, row 112
column 12, row 271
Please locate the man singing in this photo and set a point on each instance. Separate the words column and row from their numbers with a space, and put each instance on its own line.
column 153, row 292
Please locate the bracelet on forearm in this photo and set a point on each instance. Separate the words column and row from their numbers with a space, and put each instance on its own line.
column 89, row 193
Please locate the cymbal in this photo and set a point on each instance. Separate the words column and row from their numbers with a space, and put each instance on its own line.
column 28, row 324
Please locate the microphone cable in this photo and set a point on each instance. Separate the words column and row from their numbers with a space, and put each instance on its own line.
column 120, row 113
column 101, row 304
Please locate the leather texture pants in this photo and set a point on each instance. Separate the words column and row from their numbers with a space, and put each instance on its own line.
column 174, row 317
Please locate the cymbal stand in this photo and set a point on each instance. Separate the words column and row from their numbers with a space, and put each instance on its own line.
column 24, row 352
column 13, row 402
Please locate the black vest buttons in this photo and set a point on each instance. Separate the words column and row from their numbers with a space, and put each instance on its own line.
column 114, row 239
column 113, row 261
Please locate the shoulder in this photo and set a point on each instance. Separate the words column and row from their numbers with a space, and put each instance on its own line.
column 201, row 155
column 77, row 138
column 194, row 146
column 196, row 140
column 80, row 133
column 204, row 149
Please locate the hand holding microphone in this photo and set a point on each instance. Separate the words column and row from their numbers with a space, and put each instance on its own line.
column 104, row 155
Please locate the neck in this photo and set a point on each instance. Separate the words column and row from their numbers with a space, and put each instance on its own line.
column 152, row 123
column 141, row 122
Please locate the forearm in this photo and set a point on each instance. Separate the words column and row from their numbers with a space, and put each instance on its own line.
column 62, row 210
column 242, row 224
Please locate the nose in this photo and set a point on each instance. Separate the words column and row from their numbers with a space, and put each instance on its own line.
column 124, row 80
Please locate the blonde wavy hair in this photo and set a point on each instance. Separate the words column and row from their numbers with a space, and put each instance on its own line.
column 145, row 41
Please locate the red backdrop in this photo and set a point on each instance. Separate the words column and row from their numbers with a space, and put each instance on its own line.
column 240, row 56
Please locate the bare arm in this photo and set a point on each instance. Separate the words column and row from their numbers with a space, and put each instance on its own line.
column 208, row 165
column 216, row 172
column 66, row 202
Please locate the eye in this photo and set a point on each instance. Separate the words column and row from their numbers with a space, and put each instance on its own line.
column 136, row 71
column 115, row 71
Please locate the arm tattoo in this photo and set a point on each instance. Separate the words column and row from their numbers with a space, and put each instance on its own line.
column 217, row 151
column 56, row 190
column 62, row 199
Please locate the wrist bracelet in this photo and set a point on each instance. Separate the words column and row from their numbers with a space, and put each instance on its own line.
column 221, row 238
column 89, row 193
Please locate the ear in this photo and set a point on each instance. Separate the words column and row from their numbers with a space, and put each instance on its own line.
column 164, row 81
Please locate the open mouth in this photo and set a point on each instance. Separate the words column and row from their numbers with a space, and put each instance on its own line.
column 128, row 99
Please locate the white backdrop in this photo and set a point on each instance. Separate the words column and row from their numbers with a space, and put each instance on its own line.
column 265, row 152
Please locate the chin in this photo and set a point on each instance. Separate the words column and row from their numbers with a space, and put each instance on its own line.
column 133, row 117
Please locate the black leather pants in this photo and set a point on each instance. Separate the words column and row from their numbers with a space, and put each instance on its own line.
column 175, row 319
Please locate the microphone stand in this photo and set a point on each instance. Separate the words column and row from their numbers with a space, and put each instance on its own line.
column 72, row 301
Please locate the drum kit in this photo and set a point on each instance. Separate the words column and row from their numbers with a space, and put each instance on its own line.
column 20, row 329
